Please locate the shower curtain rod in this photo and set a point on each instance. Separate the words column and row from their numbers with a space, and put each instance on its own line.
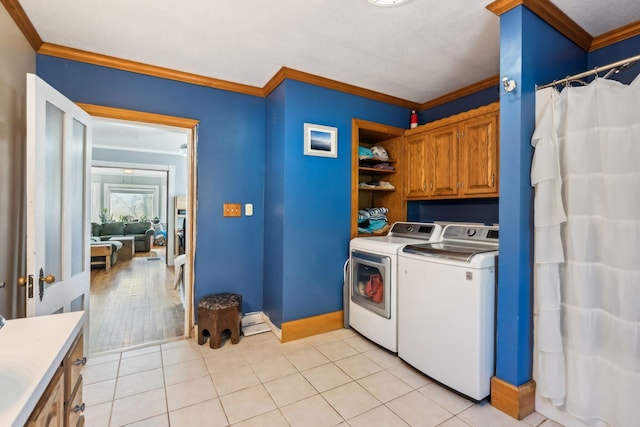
column 625, row 63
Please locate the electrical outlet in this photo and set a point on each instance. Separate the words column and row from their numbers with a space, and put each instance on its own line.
column 231, row 209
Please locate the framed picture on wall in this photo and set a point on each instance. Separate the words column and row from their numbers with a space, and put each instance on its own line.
column 320, row 140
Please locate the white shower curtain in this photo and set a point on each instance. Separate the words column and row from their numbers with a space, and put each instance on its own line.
column 586, row 174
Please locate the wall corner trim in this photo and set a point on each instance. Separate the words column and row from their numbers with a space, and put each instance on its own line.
column 141, row 68
column 301, row 76
column 137, row 116
column 516, row 401
column 314, row 325
column 461, row 93
column 615, row 36
column 551, row 14
column 23, row 22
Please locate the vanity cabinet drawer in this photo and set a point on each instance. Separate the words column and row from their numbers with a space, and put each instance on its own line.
column 73, row 364
column 74, row 407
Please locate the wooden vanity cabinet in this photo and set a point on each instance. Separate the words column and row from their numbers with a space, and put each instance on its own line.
column 456, row 157
column 73, row 364
column 61, row 403
column 49, row 412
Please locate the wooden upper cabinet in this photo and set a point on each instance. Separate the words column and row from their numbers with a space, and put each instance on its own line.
column 444, row 160
column 454, row 157
column 479, row 156
column 415, row 166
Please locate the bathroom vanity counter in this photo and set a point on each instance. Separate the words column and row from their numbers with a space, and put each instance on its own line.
column 31, row 352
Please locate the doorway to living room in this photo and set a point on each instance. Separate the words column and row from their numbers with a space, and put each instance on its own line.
column 139, row 172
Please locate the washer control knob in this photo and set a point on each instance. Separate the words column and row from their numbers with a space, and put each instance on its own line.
column 471, row 232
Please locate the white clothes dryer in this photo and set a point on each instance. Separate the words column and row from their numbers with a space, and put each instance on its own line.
column 446, row 327
column 371, row 287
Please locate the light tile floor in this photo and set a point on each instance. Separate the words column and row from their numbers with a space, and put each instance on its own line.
column 336, row 378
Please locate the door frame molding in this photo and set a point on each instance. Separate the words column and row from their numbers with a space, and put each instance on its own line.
column 192, row 183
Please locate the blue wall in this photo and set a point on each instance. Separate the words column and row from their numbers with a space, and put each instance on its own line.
column 274, row 205
column 287, row 259
column 466, row 210
column 531, row 52
column 469, row 102
column 313, row 198
column 231, row 159
column 614, row 53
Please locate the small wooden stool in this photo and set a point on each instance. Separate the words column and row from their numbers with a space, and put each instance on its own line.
column 217, row 313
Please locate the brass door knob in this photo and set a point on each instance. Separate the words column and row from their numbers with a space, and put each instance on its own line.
column 49, row 278
column 22, row 280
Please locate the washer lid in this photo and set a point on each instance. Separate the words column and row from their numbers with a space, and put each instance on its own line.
column 452, row 251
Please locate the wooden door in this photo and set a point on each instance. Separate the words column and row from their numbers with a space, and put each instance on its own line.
column 444, row 158
column 416, row 166
column 479, row 156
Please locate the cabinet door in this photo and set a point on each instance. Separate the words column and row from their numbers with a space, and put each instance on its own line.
column 479, row 156
column 49, row 412
column 416, row 166
column 443, row 180
column 75, row 407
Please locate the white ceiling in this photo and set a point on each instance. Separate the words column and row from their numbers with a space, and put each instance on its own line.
column 417, row 51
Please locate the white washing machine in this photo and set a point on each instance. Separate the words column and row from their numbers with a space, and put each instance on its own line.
column 371, row 302
column 446, row 327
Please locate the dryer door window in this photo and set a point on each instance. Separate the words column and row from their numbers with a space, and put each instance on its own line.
column 371, row 282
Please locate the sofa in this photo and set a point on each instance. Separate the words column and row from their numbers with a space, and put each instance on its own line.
column 141, row 232
column 115, row 247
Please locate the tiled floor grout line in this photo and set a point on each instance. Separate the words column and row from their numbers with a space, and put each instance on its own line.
column 252, row 363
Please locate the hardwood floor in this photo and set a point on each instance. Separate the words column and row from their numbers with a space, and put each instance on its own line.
column 134, row 303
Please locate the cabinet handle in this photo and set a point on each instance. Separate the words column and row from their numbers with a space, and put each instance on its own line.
column 431, row 185
column 79, row 408
column 493, row 178
column 82, row 361
column 424, row 185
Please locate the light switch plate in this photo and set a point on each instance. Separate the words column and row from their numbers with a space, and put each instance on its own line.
column 231, row 209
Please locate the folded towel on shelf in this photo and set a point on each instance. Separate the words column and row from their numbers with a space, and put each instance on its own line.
column 379, row 152
column 363, row 215
column 383, row 166
column 374, row 226
column 364, row 153
column 377, row 184
column 377, row 213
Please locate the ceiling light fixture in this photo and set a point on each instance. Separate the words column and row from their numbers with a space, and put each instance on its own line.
column 388, row 3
